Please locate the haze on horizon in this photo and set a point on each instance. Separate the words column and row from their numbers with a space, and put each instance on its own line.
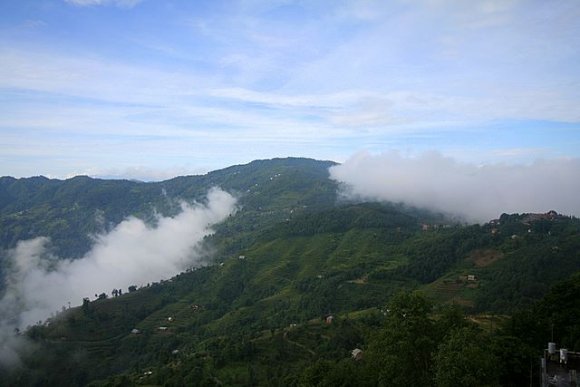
column 153, row 89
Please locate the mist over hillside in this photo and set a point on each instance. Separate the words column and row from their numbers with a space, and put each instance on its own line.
column 280, row 247
column 477, row 193
column 38, row 284
column 71, row 211
column 63, row 241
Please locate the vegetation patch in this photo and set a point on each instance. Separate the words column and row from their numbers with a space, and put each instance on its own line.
column 485, row 257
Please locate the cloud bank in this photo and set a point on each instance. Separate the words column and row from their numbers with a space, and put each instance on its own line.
column 478, row 193
column 133, row 253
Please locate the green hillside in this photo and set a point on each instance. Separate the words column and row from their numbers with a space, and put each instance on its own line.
column 293, row 257
column 69, row 211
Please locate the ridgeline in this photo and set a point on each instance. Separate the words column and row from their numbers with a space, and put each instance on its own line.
column 299, row 278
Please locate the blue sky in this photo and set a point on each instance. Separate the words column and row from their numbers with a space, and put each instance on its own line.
column 155, row 88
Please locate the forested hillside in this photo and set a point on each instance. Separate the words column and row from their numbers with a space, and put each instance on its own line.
column 69, row 211
column 296, row 281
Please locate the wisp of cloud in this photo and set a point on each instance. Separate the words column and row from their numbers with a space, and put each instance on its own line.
column 133, row 253
column 477, row 193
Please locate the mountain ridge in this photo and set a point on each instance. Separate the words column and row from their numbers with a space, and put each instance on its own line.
column 43, row 203
column 289, row 259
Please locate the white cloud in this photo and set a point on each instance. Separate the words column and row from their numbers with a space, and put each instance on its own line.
column 478, row 193
column 133, row 253
column 92, row 77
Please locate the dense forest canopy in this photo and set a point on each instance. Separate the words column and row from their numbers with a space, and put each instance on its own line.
column 294, row 281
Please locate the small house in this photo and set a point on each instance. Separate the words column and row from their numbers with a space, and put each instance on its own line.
column 357, row 354
column 135, row 331
column 471, row 277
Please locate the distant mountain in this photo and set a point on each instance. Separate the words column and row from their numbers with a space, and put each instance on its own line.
column 69, row 211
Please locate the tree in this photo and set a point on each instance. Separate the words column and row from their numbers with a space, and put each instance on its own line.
column 345, row 372
column 85, row 307
column 466, row 358
column 450, row 317
column 401, row 354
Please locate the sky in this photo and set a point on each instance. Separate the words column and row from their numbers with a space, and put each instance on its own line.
column 150, row 89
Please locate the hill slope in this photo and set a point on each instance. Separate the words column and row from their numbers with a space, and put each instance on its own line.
column 287, row 261
column 69, row 211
